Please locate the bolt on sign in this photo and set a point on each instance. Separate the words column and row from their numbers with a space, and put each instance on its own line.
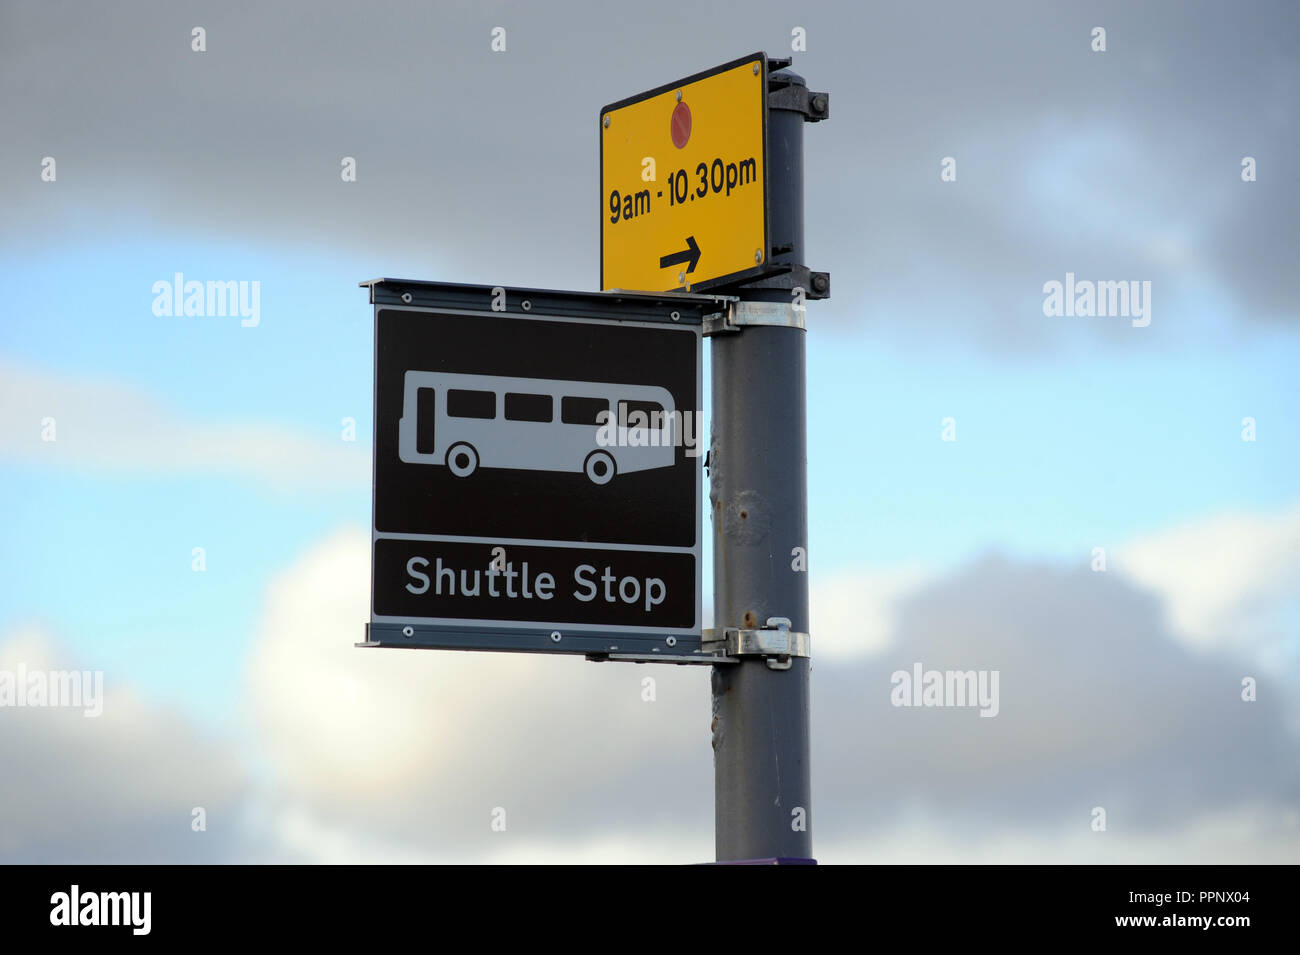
column 537, row 469
column 683, row 182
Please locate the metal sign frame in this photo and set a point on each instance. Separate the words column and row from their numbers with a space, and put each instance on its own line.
column 758, row 271
column 604, row 308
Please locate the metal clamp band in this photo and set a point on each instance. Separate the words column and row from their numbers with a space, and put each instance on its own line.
column 737, row 315
column 776, row 642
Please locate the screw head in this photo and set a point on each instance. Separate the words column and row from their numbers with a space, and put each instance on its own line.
column 526, row 304
column 681, row 276
column 756, row 69
column 679, row 96
column 605, row 121
column 820, row 282
column 671, row 641
column 555, row 636
column 819, row 103
column 758, row 255
column 675, row 316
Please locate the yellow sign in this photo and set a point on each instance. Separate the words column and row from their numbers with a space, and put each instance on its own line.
column 683, row 182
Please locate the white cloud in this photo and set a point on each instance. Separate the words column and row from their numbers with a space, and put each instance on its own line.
column 853, row 611
column 402, row 756
column 391, row 754
column 118, row 787
column 1221, row 577
column 414, row 749
column 298, row 835
column 1247, row 836
column 104, row 425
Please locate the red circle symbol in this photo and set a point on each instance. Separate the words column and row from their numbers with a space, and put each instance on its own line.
column 681, row 125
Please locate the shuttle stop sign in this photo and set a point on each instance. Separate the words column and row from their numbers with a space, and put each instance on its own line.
column 537, row 469
column 683, row 182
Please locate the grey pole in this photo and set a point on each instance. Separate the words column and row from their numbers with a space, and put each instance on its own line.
column 759, row 499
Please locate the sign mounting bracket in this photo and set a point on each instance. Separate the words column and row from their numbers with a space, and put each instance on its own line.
column 776, row 643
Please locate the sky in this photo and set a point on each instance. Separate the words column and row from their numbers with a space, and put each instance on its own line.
column 237, row 688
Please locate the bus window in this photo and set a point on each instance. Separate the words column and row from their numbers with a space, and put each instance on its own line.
column 426, row 414
column 641, row 414
column 471, row 404
column 583, row 410
column 528, row 407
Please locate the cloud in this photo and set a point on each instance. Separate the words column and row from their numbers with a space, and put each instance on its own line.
column 1248, row 835
column 1115, row 165
column 417, row 748
column 104, row 426
column 1224, row 580
column 854, row 611
column 120, row 787
column 1099, row 706
column 295, row 835
column 353, row 754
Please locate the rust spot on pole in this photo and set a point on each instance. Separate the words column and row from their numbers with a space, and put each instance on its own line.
column 746, row 518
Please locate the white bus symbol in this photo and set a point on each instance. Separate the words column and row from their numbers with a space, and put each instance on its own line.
column 466, row 422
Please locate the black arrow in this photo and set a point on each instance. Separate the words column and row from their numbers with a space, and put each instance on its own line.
column 690, row 254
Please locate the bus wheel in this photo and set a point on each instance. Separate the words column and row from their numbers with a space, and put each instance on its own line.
column 462, row 459
column 599, row 467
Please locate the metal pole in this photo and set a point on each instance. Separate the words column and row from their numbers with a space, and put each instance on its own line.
column 759, row 499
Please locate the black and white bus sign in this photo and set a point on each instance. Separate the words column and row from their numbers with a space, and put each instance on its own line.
column 537, row 469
